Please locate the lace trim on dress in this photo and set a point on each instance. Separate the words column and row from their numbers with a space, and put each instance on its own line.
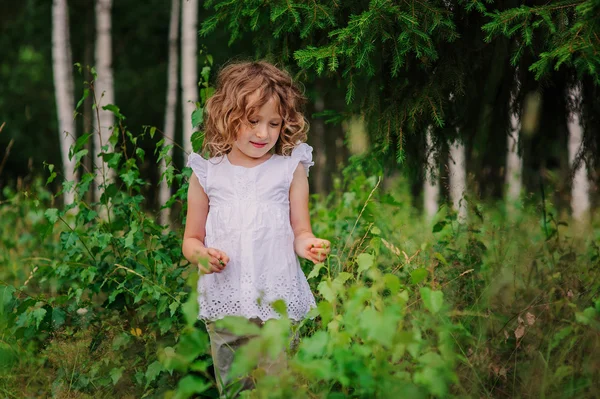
column 200, row 167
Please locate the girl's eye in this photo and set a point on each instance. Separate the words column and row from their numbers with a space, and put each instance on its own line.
column 253, row 122
column 274, row 124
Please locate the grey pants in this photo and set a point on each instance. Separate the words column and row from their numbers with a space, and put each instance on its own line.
column 224, row 344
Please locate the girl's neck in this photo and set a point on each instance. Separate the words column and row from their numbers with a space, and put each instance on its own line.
column 238, row 158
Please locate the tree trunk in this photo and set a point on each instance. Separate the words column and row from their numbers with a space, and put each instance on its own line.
column 580, row 198
column 458, row 179
column 88, row 104
column 103, row 91
column 189, row 68
column 431, row 185
column 514, row 163
column 63, row 83
column 169, row 130
column 320, row 156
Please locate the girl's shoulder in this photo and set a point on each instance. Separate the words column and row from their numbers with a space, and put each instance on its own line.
column 301, row 154
column 200, row 166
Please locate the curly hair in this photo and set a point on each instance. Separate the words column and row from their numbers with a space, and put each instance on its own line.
column 230, row 106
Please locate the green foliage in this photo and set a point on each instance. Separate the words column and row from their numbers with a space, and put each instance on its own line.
column 106, row 285
column 95, row 298
column 460, row 67
column 568, row 33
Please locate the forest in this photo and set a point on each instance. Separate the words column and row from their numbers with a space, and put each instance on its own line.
column 456, row 176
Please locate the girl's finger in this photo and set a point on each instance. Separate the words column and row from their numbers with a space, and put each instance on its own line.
column 217, row 264
column 223, row 258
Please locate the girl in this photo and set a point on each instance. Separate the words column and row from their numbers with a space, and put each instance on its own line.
column 248, row 205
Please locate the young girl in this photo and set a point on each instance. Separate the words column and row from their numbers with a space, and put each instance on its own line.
column 248, row 205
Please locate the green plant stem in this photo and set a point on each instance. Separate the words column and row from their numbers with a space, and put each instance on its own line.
column 146, row 280
column 78, row 237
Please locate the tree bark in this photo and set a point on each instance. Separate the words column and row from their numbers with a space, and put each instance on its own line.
column 458, row 179
column 169, row 130
column 64, row 92
column 189, row 68
column 514, row 162
column 580, row 197
column 431, row 185
column 103, row 91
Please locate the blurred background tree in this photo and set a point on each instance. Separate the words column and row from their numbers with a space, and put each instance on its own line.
column 395, row 70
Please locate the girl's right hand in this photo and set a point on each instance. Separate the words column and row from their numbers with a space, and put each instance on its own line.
column 217, row 260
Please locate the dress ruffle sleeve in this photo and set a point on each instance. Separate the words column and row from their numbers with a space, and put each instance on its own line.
column 302, row 154
column 200, row 167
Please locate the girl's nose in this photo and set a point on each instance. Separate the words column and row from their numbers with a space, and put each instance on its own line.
column 261, row 133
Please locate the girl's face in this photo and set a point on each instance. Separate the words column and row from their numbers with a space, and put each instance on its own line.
column 255, row 141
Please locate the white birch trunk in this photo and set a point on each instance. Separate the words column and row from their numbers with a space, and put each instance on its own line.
column 169, row 130
column 189, row 68
column 514, row 162
column 458, row 179
column 580, row 199
column 63, row 84
column 431, row 185
column 104, row 91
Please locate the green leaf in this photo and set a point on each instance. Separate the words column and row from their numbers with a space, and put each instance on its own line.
column 238, row 325
column 586, row 317
column 37, row 315
column 315, row 271
column 380, row 326
column 153, row 371
column 197, row 117
column 52, row 215
column 165, row 324
column 392, row 282
column 6, row 297
column 418, row 275
column 129, row 177
column 115, row 374
column 441, row 258
column 365, row 262
column 315, row 345
column 439, row 226
column 58, row 317
column 433, row 300
column 190, row 385
column 115, row 110
column 326, row 290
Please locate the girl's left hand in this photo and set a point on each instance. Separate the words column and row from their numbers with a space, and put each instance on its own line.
column 314, row 249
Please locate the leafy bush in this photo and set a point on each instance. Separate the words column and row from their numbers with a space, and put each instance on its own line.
column 95, row 299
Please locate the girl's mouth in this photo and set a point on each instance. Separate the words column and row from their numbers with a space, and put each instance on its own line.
column 258, row 145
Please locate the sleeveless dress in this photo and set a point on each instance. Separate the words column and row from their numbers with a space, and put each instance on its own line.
column 249, row 219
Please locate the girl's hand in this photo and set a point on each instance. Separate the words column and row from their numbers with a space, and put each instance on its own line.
column 217, row 260
column 313, row 249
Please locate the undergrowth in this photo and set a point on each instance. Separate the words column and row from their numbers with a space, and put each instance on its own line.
column 97, row 301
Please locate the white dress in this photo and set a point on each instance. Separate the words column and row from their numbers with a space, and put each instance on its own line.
column 249, row 219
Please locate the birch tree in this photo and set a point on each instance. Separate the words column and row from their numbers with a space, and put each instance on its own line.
column 169, row 129
column 458, row 179
column 104, row 91
column 514, row 162
column 189, row 68
column 580, row 197
column 431, row 185
column 63, row 88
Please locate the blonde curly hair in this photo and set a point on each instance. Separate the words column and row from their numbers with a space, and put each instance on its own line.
column 230, row 107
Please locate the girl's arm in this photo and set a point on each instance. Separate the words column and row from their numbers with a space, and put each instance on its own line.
column 195, row 231
column 305, row 243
